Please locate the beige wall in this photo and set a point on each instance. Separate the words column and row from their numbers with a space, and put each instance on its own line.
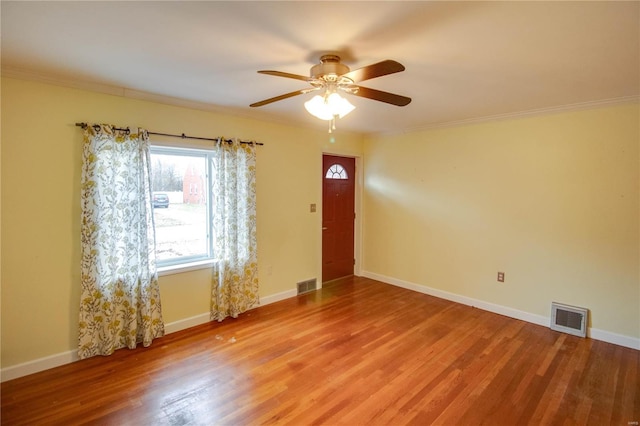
column 552, row 201
column 40, row 228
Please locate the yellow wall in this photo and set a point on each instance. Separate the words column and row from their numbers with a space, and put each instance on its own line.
column 40, row 230
column 553, row 201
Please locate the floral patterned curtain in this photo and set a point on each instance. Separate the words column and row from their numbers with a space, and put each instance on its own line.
column 120, row 300
column 235, row 272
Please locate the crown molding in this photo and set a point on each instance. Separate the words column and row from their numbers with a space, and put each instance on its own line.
column 580, row 106
column 22, row 74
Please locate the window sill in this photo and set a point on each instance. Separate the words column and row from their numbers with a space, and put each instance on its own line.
column 184, row 267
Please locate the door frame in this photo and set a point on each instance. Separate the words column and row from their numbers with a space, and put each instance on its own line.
column 357, row 226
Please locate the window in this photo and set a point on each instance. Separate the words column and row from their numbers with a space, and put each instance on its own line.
column 336, row 171
column 183, row 227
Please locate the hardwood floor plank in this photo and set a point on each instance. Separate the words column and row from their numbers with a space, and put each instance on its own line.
column 356, row 352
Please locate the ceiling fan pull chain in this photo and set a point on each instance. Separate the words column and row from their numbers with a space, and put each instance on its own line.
column 332, row 124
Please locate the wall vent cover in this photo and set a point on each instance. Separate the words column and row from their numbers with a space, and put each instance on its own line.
column 569, row 319
column 307, row 286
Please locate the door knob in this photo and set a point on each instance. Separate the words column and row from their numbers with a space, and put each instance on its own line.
column 324, row 228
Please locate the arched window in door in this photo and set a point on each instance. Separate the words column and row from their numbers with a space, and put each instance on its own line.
column 336, row 171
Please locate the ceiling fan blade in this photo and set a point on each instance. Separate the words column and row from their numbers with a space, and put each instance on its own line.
column 375, row 70
column 285, row 74
column 281, row 97
column 379, row 95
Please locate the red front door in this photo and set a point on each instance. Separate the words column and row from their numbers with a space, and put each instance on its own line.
column 338, row 216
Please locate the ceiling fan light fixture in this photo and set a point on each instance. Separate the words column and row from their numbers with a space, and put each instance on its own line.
column 332, row 76
column 329, row 106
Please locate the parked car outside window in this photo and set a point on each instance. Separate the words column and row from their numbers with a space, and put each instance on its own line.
column 160, row 200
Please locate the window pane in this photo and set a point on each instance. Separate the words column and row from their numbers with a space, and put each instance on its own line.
column 336, row 171
column 181, row 224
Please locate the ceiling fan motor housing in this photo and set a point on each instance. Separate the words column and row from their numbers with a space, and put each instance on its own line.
column 329, row 68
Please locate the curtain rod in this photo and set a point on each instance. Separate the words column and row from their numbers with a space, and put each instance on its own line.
column 182, row 136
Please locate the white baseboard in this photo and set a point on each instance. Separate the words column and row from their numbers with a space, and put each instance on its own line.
column 491, row 307
column 615, row 338
column 267, row 300
column 68, row 357
column 594, row 333
column 183, row 324
column 37, row 365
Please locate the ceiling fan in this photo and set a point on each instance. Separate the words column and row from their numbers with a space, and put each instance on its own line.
column 332, row 77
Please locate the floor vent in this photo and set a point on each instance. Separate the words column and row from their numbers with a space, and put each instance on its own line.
column 307, row 286
column 569, row 319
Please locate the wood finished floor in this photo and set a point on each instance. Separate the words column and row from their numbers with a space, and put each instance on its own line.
column 358, row 352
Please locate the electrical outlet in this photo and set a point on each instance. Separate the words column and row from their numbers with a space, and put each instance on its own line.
column 500, row 277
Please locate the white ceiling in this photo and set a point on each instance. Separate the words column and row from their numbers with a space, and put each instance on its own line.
column 464, row 60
